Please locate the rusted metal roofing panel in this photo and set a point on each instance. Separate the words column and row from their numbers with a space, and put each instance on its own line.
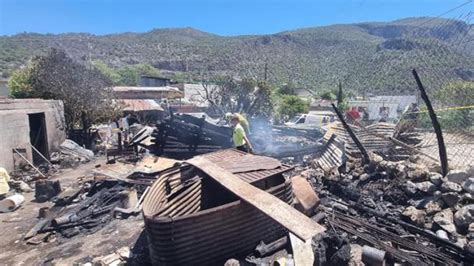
column 183, row 229
column 222, row 156
column 132, row 92
column 137, row 105
column 139, row 89
column 211, row 236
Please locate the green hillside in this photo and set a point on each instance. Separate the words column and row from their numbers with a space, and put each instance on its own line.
column 365, row 56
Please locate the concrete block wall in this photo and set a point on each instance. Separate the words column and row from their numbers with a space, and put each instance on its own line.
column 15, row 129
column 14, row 132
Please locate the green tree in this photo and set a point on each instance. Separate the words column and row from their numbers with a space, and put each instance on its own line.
column 247, row 96
column 85, row 92
column 128, row 75
column 456, row 99
column 287, row 89
column 19, row 84
column 330, row 95
column 109, row 72
column 291, row 105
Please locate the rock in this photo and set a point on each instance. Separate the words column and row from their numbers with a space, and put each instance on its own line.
column 309, row 173
column 414, row 215
column 342, row 256
column 464, row 217
column 468, row 185
column 451, row 198
column 417, row 172
column 469, row 246
column 449, row 186
column 433, row 206
column 376, row 158
column 436, row 178
column 467, row 197
column 470, row 232
column 124, row 252
column 444, row 219
column 457, row 176
column 442, row 234
column 461, row 242
column 356, row 255
column 426, row 187
column 306, row 198
column 24, row 187
column 364, row 177
column 410, row 188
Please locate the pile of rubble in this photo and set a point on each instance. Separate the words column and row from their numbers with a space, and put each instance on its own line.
column 390, row 211
column 71, row 154
column 82, row 210
column 183, row 135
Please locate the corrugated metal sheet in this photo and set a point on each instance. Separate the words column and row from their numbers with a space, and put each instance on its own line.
column 332, row 156
column 222, row 156
column 137, row 105
column 370, row 141
column 132, row 92
column 182, row 230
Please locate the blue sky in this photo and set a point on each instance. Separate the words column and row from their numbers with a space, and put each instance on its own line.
column 224, row 17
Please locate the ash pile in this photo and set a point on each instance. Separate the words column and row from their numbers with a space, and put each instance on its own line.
column 83, row 210
column 380, row 209
column 114, row 191
column 286, row 143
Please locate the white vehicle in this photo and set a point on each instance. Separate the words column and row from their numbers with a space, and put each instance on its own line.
column 312, row 120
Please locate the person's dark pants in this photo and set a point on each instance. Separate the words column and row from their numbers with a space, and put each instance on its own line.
column 243, row 148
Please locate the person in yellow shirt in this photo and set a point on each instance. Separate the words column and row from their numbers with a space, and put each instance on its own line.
column 239, row 137
column 4, row 178
column 243, row 121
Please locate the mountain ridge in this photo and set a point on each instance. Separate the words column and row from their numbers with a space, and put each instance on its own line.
column 314, row 57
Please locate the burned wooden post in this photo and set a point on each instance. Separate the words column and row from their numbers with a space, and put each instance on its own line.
column 365, row 155
column 339, row 95
column 437, row 127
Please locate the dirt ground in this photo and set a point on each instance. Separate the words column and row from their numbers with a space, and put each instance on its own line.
column 66, row 251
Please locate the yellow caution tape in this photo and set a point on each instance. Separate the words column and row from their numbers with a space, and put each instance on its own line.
column 445, row 109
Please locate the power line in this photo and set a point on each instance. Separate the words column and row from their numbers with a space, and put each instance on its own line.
column 447, row 12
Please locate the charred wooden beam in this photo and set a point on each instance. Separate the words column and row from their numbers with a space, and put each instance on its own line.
column 437, row 127
column 365, row 155
column 339, row 95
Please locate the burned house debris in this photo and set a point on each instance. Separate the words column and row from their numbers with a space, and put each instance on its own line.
column 220, row 203
column 158, row 176
column 186, row 135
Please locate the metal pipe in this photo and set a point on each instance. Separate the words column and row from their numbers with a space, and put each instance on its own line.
column 30, row 163
column 40, row 154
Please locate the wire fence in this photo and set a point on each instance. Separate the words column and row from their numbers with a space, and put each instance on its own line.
column 442, row 52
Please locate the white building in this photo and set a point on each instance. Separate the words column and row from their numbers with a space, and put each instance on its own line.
column 388, row 107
